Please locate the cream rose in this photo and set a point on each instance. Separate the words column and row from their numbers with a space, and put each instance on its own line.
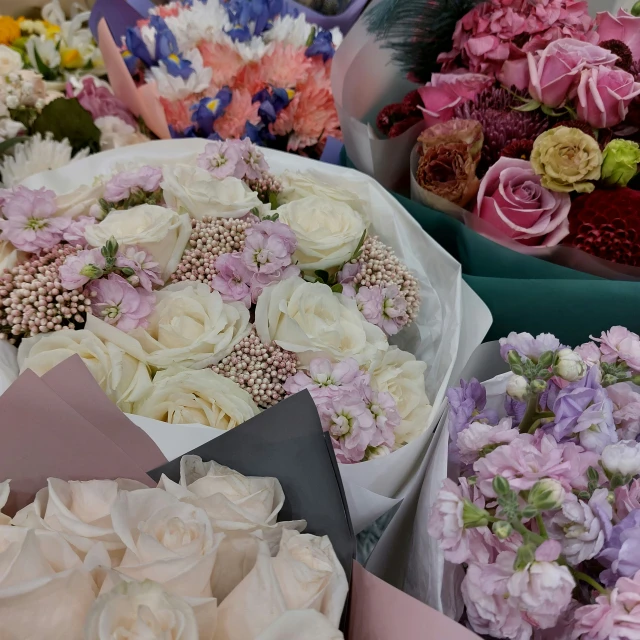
column 167, row 541
column 197, row 396
column 80, row 512
column 398, row 373
column 10, row 60
column 328, row 231
column 118, row 367
column 301, row 625
column 192, row 327
column 200, row 194
column 78, row 202
column 5, row 489
column 9, row 255
column 310, row 320
column 45, row 592
column 160, row 231
column 143, row 610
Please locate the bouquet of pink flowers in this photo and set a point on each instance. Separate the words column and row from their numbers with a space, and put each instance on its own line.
column 532, row 127
column 545, row 514
column 230, row 70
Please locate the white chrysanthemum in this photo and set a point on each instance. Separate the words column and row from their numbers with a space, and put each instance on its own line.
column 36, row 155
column 254, row 50
column 176, row 88
column 289, row 30
column 115, row 133
column 203, row 21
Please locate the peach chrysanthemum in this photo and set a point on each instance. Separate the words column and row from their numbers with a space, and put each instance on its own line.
column 177, row 112
column 251, row 78
column 286, row 66
column 224, row 61
column 283, row 125
column 236, row 115
column 169, row 11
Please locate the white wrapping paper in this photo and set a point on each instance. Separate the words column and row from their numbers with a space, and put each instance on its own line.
column 372, row 487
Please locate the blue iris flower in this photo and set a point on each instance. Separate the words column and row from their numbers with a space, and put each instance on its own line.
column 239, row 33
column 258, row 13
column 258, row 134
column 273, row 103
column 209, row 109
column 131, row 61
column 261, row 96
column 137, row 47
column 178, row 67
column 322, row 45
column 166, row 43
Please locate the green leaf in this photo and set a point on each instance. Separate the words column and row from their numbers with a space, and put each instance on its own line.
column 66, row 118
column 24, row 115
column 532, row 105
column 7, row 144
column 322, row 275
column 592, row 474
column 337, row 288
column 273, row 199
column 358, row 250
column 311, row 38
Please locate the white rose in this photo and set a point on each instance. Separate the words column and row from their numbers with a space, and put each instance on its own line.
column 144, row 610
column 328, row 231
column 168, row 541
column 118, row 367
column 622, row 457
column 191, row 326
column 80, row 512
column 310, row 320
column 161, row 232
column 197, row 191
column 197, row 396
column 398, row 373
column 301, row 625
column 45, row 592
column 78, row 202
column 9, row 255
column 10, row 60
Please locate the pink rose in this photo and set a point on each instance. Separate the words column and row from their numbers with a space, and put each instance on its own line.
column 553, row 72
column 514, row 73
column 512, row 200
column 604, row 96
column 624, row 27
column 446, row 91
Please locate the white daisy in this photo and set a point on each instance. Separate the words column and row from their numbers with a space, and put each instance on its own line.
column 176, row 88
column 289, row 30
column 206, row 22
column 36, row 155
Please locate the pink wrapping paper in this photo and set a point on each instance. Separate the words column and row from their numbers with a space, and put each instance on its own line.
column 382, row 612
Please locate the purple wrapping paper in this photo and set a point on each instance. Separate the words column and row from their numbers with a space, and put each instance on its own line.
column 344, row 21
column 119, row 15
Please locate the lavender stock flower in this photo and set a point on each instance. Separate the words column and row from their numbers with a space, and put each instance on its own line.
column 528, row 346
column 621, row 554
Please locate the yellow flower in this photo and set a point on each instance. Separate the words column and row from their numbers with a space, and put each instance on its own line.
column 71, row 58
column 9, row 30
column 51, row 30
column 567, row 159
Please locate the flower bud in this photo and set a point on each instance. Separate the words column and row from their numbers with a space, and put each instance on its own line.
column 537, row 386
column 502, row 529
column 635, row 10
column 518, row 387
column 377, row 452
column 501, row 486
column 546, row 494
column 524, row 557
column 474, row 516
column 620, row 160
column 622, row 458
column 91, row 271
column 569, row 365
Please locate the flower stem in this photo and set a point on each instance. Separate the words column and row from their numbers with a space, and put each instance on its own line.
column 525, row 533
column 578, row 575
column 541, row 527
column 530, row 414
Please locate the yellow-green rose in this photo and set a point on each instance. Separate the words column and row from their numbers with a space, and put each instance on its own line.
column 567, row 159
column 620, row 160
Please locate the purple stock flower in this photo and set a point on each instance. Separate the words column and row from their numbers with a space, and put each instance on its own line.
column 100, row 101
column 147, row 270
column 233, row 279
column 584, row 408
column 621, row 555
column 29, row 224
column 78, row 269
column 75, row 231
column 384, row 410
column 370, row 301
column 528, row 346
column 222, row 159
column 118, row 303
column 467, row 404
column 261, row 280
column 122, row 184
column 268, row 247
column 394, row 310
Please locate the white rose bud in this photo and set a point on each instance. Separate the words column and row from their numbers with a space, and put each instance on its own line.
column 517, row 387
column 622, row 457
column 569, row 365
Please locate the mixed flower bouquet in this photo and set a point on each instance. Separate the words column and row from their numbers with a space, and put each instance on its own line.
column 230, row 70
column 532, row 127
column 544, row 515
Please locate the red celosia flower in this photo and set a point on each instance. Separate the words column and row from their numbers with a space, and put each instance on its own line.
column 606, row 224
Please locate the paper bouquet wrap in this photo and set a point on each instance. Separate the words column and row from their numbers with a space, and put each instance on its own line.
column 348, row 13
column 443, row 332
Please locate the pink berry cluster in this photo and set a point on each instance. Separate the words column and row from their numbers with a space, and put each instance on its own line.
column 259, row 368
column 33, row 300
column 264, row 186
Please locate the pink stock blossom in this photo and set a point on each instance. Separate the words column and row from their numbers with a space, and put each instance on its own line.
column 74, row 233
column 233, row 279
column 268, row 247
column 254, row 164
column 589, row 352
column 222, row 160
column 118, row 303
column 71, row 272
column 123, row 184
column 627, row 499
column 620, row 343
column 261, row 280
column 325, row 378
column 385, row 414
column 146, row 270
column 626, row 410
column 479, row 435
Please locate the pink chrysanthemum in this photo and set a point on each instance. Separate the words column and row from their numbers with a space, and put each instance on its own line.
column 283, row 125
column 224, row 61
column 286, row 66
column 177, row 113
column 237, row 114
column 251, row 78
column 169, row 11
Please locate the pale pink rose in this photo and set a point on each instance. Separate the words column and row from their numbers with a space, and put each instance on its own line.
column 626, row 405
column 479, row 435
column 485, row 593
column 554, row 71
column 623, row 27
column 604, row 96
column 620, row 343
column 512, row 200
column 446, row 91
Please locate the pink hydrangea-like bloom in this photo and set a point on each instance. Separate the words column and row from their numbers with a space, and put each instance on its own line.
column 268, row 247
column 147, row 271
column 626, row 410
column 233, row 279
column 541, row 591
column 231, row 124
column 118, row 303
column 75, row 230
column 29, row 224
column 222, row 159
column 529, row 458
column 479, row 435
column 122, row 184
column 620, row 343
column 80, row 268
column 627, row 499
